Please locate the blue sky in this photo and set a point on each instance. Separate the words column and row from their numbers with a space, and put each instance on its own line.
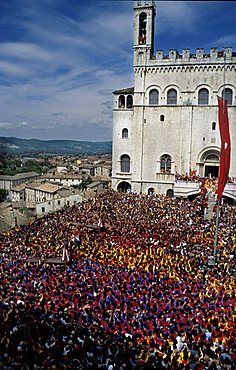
column 60, row 60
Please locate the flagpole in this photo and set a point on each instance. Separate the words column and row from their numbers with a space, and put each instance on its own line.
column 216, row 231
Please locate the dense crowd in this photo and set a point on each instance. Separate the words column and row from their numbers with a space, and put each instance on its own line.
column 137, row 293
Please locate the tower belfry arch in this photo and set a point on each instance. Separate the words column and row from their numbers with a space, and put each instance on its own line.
column 144, row 17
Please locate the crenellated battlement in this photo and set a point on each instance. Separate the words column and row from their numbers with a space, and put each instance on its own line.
column 143, row 3
column 215, row 55
column 215, row 58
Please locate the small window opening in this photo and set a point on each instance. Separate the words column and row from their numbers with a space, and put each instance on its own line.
column 162, row 118
column 125, row 133
column 121, row 103
column 129, row 101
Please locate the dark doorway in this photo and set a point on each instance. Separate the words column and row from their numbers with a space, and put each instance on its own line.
column 124, row 187
column 170, row 193
column 151, row 191
column 211, row 171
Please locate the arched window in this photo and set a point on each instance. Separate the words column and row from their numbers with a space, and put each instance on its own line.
column 165, row 163
column 125, row 133
column 212, row 157
column 162, row 118
column 129, row 101
column 154, row 97
column 142, row 28
column 203, row 97
column 172, row 97
column 213, row 125
column 121, row 103
column 124, row 163
column 227, row 94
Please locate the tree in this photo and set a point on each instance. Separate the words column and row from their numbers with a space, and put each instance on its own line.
column 3, row 194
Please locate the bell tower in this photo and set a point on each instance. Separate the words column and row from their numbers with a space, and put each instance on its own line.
column 144, row 18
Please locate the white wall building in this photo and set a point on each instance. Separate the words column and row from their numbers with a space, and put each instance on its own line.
column 63, row 198
column 168, row 122
column 66, row 179
column 36, row 192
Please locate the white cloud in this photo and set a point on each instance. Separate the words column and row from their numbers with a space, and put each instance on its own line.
column 226, row 41
column 177, row 16
column 21, row 50
column 12, row 69
column 23, row 123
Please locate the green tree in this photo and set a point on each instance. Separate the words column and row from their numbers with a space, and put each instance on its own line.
column 3, row 194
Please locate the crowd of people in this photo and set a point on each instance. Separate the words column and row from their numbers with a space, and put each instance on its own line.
column 138, row 291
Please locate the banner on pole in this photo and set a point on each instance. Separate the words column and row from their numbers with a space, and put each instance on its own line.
column 225, row 146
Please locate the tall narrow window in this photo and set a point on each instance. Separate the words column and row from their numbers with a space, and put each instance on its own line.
column 124, row 133
column 227, row 94
column 154, row 97
column 213, row 125
column 172, row 97
column 129, row 102
column 125, row 163
column 166, row 163
column 203, row 97
column 121, row 103
column 142, row 28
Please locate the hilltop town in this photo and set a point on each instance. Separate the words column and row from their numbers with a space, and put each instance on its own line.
column 32, row 187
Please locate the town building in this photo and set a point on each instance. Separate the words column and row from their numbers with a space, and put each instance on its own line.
column 64, row 178
column 62, row 198
column 43, row 197
column 7, row 182
column 167, row 123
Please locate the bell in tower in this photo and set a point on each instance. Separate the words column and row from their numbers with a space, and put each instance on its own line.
column 142, row 28
column 144, row 16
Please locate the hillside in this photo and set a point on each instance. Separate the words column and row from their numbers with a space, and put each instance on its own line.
column 13, row 145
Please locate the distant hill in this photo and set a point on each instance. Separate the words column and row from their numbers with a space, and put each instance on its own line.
column 13, row 145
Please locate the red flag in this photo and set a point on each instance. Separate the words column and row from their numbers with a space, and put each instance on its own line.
column 225, row 145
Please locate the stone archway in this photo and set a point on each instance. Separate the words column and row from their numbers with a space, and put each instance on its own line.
column 124, row 187
column 151, row 191
column 209, row 162
column 211, row 165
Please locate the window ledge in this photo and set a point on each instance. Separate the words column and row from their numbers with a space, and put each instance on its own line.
column 124, row 173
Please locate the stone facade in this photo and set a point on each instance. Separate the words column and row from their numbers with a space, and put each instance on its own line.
column 168, row 122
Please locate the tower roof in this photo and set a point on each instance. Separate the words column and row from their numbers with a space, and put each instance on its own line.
column 128, row 90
